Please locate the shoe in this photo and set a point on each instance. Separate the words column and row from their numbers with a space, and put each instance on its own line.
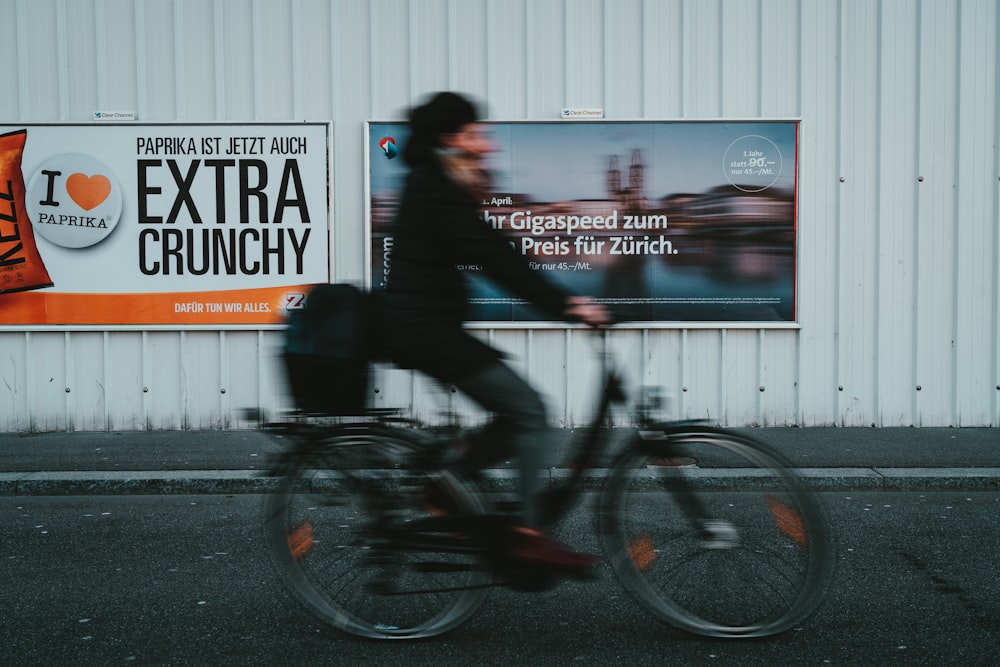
column 533, row 548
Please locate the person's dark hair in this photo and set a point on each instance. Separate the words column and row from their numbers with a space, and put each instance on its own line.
column 444, row 113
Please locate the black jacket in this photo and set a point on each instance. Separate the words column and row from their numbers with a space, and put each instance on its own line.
column 437, row 229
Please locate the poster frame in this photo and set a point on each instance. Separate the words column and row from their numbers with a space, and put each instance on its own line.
column 792, row 323
column 326, row 219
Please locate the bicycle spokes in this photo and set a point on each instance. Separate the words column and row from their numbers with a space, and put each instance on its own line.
column 728, row 545
column 356, row 544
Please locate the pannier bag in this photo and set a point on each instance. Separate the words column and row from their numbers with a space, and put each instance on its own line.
column 328, row 346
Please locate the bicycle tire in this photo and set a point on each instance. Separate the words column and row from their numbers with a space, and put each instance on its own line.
column 326, row 525
column 756, row 562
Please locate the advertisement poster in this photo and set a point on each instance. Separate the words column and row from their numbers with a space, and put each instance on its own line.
column 679, row 221
column 126, row 223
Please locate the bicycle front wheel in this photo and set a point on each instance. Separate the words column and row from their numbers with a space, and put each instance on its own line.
column 337, row 527
column 711, row 532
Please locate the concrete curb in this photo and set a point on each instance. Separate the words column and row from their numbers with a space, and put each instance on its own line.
column 174, row 482
column 832, row 479
column 162, row 482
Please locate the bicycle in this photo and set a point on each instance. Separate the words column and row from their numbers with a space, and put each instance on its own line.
column 708, row 529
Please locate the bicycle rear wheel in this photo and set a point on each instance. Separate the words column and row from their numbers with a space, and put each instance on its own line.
column 337, row 528
column 712, row 533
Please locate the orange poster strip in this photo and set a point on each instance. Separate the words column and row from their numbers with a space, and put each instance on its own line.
column 268, row 305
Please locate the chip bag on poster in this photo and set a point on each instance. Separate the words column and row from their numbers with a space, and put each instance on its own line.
column 21, row 266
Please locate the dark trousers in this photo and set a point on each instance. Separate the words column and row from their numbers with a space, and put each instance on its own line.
column 520, row 427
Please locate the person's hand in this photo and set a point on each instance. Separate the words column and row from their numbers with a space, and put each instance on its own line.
column 584, row 309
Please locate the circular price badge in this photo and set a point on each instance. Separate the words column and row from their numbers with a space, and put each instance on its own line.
column 752, row 163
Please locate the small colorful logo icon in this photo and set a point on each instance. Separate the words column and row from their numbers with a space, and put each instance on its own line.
column 388, row 146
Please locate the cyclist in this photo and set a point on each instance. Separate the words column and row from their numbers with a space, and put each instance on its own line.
column 437, row 229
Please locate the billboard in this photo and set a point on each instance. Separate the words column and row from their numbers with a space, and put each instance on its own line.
column 664, row 221
column 140, row 224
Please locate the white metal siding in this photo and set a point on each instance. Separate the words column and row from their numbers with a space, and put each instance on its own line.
column 899, row 215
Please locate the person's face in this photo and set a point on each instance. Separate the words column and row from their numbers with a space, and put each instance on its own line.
column 473, row 139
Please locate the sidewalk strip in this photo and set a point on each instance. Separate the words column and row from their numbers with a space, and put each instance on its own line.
column 253, row 481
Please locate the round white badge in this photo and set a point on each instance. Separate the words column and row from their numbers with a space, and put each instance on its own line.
column 752, row 163
column 73, row 200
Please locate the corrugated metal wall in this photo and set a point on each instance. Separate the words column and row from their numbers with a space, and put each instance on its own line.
column 899, row 246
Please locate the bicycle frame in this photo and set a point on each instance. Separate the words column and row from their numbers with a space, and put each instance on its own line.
column 557, row 501
column 443, row 552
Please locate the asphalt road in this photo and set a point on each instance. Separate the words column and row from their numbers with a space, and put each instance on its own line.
column 185, row 580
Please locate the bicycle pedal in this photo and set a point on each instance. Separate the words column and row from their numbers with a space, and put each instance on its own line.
column 718, row 534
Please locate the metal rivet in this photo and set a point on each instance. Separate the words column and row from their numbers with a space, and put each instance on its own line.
column 223, row 390
column 67, row 390
column 842, row 179
column 919, row 387
column 920, row 178
column 145, row 390
column 840, row 388
column 762, row 387
column 685, row 388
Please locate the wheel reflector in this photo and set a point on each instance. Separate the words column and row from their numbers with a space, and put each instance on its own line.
column 301, row 540
column 642, row 552
column 788, row 521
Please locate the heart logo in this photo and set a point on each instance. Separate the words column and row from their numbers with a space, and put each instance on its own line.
column 88, row 191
